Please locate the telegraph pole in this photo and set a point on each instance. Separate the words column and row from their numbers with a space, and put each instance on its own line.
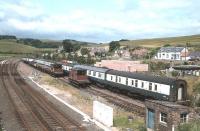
column 185, row 49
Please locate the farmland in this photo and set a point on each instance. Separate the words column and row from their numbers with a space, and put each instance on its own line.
column 12, row 47
column 158, row 42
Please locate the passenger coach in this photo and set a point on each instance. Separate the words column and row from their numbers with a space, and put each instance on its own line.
column 148, row 86
column 156, row 87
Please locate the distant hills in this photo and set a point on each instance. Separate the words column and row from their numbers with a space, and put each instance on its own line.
column 157, row 42
column 30, row 44
column 37, row 43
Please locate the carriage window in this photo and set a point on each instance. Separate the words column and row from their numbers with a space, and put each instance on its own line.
column 89, row 72
column 136, row 83
column 132, row 82
column 183, row 117
column 99, row 74
column 119, row 80
column 163, row 117
column 81, row 72
column 155, row 87
column 142, row 84
column 94, row 73
column 111, row 77
column 150, row 86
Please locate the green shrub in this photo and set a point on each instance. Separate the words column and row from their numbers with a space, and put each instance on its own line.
column 174, row 73
column 192, row 126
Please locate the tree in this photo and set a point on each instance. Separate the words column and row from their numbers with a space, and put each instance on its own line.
column 90, row 60
column 114, row 45
column 69, row 56
column 81, row 60
column 71, row 46
column 84, row 51
column 67, row 45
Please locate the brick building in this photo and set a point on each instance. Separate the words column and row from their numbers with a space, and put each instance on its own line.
column 166, row 116
column 130, row 66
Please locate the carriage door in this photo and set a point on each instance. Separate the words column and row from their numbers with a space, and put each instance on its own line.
column 150, row 119
column 180, row 93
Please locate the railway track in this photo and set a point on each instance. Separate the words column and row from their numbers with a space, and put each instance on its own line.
column 35, row 112
column 130, row 105
column 124, row 102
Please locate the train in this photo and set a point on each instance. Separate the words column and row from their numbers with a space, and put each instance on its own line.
column 130, row 83
column 50, row 67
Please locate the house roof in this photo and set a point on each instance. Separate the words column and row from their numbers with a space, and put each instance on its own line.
column 167, row 104
column 171, row 49
column 145, row 77
column 195, row 54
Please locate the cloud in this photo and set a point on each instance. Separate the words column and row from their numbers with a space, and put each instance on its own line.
column 131, row 19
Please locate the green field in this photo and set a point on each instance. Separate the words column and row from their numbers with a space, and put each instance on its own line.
column 12, row 47
column 157, row 42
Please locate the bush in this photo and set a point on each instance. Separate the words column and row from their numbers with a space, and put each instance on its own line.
column 174, row 73
column 154, row 66
column 166, row 45
column 192, row 126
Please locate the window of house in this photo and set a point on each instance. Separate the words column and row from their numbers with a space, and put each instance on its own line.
column 89, row 72
column 136, row 83
column 155, row 87
column 132, row 82
column 167, row 56
column 183, row 117
column 163, row 117
column 142, row 84
column 160, row 55
column 150, row 86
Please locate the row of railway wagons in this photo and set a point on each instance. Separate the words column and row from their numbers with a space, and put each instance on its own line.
column 50, row 67
column 132, row 83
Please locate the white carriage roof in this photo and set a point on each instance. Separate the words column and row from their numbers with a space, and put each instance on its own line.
column 92, row 68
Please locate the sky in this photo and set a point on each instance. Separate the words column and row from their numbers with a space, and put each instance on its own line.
column 99, row 20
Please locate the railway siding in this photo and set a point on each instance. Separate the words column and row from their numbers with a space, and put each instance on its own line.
column 34, row 110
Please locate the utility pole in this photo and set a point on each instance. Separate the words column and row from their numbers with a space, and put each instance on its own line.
column 185, row 49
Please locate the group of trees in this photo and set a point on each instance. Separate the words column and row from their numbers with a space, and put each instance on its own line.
column 71, row 47
column 38, row 43
column 114, row 45
column 7, row 37
column 80, row 59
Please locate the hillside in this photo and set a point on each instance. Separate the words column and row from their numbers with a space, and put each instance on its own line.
column 157, row 42
column 12, row 47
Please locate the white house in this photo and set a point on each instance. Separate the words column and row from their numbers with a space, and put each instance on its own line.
column 172, row 53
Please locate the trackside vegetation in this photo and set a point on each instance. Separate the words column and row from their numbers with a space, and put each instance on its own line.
column 192, row 126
